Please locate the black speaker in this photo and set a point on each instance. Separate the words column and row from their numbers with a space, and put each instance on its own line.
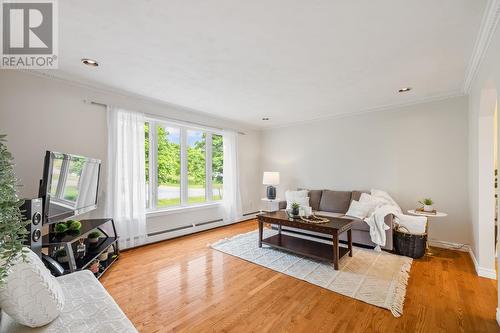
column 32, row 211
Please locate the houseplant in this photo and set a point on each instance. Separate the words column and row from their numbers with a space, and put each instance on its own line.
column 93, row 237
column 295, row 208
column 74, row 225
column 71, row 227
column 12, row 224
column 61, row 228
column 427, row 203
column 62, row 256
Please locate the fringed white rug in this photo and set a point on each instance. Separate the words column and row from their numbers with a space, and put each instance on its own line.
column 377, row 278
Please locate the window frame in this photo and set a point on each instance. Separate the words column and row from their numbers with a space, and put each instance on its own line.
column 153, row 166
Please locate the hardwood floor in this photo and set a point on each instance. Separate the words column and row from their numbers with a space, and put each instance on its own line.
column 183, row 285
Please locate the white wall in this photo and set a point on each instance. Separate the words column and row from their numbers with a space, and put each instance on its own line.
column 483, row 95
column 411, row 152
column 39, row 113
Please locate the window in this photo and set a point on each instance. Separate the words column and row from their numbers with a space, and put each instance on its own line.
column 184, row 166
column 196, row 166
column 168, row 166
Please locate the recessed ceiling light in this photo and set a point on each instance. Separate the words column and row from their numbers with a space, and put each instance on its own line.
column 265, row 118
column 90, row 62
column 405, row 89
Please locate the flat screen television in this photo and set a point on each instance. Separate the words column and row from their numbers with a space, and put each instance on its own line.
column 69, row 186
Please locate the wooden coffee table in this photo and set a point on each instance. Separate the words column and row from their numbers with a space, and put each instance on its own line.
column 305, row 247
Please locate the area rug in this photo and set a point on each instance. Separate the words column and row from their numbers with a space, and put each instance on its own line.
column 376, row 278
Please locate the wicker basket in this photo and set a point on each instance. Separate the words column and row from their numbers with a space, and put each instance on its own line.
column 409, row 245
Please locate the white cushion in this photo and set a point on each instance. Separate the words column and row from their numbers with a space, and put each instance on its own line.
column 358, row 209
column 413, row 224
column 303, row 202
column 292, row 195
column 31, row 295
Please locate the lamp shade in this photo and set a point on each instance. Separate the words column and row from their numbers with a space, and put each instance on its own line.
column 271, row 178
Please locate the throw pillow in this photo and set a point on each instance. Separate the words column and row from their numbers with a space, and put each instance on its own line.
column 303, row 202
column 31, row 295
column 358, row 209
column 292, row 195
column 414, row 224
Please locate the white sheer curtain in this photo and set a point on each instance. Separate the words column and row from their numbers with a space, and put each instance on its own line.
column 231, row 192
column 126, row 198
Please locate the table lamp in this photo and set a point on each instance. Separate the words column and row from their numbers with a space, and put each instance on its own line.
column 271, row 178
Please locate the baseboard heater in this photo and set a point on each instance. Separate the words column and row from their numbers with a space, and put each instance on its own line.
column 208, row 222
column 184, row 227
column 252, row 213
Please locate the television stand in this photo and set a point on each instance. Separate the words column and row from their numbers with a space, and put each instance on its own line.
column 69, row 241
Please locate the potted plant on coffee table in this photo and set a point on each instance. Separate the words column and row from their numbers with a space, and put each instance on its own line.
column 295, row 209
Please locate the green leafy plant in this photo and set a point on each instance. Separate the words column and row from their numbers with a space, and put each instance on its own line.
column 94, row 234
column 61, row 228
column 295, row 208
column 73, row 225
column 426, row 202
column 12, row 224
column 61, row 253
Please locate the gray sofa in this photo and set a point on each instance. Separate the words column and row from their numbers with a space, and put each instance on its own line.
column 335, row 204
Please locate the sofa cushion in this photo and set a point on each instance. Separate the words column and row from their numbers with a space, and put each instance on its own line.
column 335, row 201
column 356, row 195
column 328, row 214
column 359, row 224
column 315, row 198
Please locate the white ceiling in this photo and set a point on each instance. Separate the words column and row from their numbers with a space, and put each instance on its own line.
column 289, row 60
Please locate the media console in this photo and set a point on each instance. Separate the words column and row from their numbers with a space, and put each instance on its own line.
column 69, row 241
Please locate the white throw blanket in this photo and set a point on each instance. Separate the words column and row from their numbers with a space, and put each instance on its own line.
column 376, row 221
column 385, row 206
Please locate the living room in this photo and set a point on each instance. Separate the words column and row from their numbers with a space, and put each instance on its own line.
column 259, row 167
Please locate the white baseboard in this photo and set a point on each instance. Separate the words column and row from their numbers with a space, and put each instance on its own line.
column 498, row 316
column 449, row 245
column 481, row 271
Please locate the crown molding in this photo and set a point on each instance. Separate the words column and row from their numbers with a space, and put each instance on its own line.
column 98, row 87
column 381, row 108
column 102, row 88
column 487, row 29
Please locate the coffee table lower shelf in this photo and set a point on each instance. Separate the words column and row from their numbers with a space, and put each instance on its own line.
column 305, row 247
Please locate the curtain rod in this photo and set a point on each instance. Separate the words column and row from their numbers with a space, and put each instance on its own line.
column 168, row 118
